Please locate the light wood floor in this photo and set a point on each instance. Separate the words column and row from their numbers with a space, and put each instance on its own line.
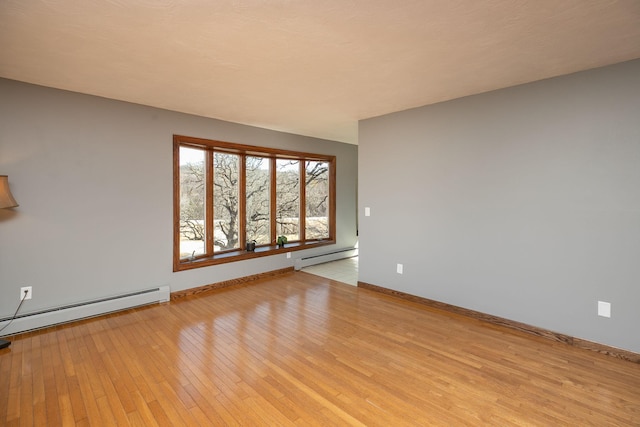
column 303, row 350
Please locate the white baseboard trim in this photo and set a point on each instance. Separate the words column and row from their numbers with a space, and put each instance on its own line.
column 336, row 255
column 68, row 313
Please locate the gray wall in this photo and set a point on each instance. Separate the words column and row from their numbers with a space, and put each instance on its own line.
column 93, row 178
column 522, row 203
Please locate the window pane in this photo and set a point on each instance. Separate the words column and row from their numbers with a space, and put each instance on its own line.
column 288, row 198
column 258, row 195
column 225, row 201
column 192, row 196
column 317, row 200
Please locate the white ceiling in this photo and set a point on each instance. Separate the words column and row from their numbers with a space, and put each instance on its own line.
column 311, row 67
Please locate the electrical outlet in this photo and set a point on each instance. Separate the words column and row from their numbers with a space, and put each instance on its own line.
column 288, row 254
column 367, row 211
column 399, row 268
column 604, row 309
column 29, row 291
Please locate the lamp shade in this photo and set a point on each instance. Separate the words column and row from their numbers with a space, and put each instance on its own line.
column 6, row 199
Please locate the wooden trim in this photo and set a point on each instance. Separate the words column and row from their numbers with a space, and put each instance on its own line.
column 242, row 204
column 252, row 150
column 618, row 353
column 241, row 254
column 176, row 203
column 506, row 323
column 302, row 209
column 272, row 201
column 228, row 283
column 208, row 203
column 333, row 183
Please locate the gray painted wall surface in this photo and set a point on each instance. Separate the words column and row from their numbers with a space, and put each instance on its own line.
column 93, row 178
column 522, row 203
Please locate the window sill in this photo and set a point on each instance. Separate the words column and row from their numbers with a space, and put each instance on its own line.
column 240, row 255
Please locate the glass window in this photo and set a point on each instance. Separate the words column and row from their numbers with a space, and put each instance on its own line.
column 288, row 199
column 225, row 202
column 227, row 194
column 192, row 202
column 258, row 200
column 317, row 200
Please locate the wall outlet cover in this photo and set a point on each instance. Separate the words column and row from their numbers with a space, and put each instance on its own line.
column 29, row 290
column 604, row 309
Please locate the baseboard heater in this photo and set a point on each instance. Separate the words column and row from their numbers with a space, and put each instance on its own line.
column 326, row 257
column 68, row 313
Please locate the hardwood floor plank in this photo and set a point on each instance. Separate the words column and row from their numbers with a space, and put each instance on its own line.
column 66, row 410
column 325, row 403
column 5, row 386
column 299, row 349
column 51, row 392
column 107, row 417
column 75, row 397
column 204, row 405
column 88, row 394
column 14, row 389
column 142, row 413
column 114, row 400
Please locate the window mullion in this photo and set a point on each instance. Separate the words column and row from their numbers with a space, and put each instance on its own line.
column 209, row 214
column 272, row 203
column 332, row 199
column 242, row 201
column 176, row 202
column 303, row 202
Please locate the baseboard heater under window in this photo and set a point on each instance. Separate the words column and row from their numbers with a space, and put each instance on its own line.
column 68, row 313
column 327, row 257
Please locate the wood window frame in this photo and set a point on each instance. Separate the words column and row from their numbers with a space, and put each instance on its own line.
column 243, row 150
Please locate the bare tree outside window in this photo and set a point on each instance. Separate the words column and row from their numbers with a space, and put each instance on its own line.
column 225, row 201
column 288, row 198
column 317, row 200
column 258, row 204
column 192, row 202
